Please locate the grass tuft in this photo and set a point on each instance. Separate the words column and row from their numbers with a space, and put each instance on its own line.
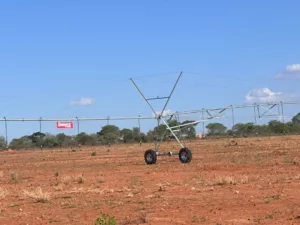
column 38, row 195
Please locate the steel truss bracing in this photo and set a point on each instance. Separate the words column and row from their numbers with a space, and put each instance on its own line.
column 260, row 110
column 211, row 114
column 160, row 116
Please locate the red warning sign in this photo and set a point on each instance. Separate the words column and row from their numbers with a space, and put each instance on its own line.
column 64, row 124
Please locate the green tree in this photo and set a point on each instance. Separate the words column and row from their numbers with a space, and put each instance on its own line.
column 110, row 134
column 150, row 136
column 160, row 132
column 296, row 119
column 189, row 131
column 243, row 128
column 22, row 142
column 291, row 127
column 216, row 128
column 96, row 139
column 62, row 139
column 127, row 135
column 137, row 135
column 262, row 129
column 50, row 141
column 70, row 142
column 84, row 139
column 173, row 123
column 276, row 126
column 2, row 143
column 37, row 138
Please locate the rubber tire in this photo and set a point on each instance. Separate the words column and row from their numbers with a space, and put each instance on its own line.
column 153, row 156
column 188, row 154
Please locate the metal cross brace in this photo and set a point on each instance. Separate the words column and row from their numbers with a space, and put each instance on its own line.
column 266, row 110
column 160, row 116
column 217, row 114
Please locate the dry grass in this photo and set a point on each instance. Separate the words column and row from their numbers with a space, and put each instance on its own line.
column 218, row 177
column 66, row 180
column 223, row 180
column 77, row 179
column 15, row 177
column 38, row 195
column 58, row 188
column 297, row 177
column 3, row 193
column 162, row 186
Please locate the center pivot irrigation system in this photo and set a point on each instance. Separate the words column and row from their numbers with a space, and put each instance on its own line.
column 185, row 154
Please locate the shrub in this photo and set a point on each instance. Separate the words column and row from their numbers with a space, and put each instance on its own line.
column 38, row 195
column 105, row 220
column 15, row 177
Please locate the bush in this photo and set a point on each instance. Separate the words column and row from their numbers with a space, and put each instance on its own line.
column 105, row 220
column 94, row 154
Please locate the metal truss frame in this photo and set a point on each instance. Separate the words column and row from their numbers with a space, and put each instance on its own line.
column 260, row 110
column 159, row 116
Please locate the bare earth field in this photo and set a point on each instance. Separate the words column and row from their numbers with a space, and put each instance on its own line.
column 256, row 181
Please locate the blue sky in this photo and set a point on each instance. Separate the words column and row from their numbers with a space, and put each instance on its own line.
column 53, row 53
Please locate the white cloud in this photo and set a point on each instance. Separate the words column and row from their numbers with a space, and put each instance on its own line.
column 291, row 71
column 165, row 113
column 263, row 95
column 82, row 101
column 293, row 67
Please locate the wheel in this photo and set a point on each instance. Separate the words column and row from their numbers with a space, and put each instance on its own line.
column 185, row 155
column 150, row 156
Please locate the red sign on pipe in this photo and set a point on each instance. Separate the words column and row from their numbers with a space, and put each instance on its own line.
column 64, row 124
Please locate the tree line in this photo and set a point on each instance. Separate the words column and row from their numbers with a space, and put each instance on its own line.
column 111, row 134
column 274, row 127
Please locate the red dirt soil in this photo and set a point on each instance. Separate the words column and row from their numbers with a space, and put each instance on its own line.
column 256, row 181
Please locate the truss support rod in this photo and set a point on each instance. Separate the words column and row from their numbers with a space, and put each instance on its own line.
column 255, row 116
column 40, row 124
column 171, row 94
column 203, row 124
column 143, row 97
column 157, row 145
column 139, row 129
column 78, row 129
column 149, row 99
column 216, row 114
column 172, row 132
column 232, row 113
column 184, row 125
column 278, row 112
column 40, row 132
column 282, row 112
column 209, row 113
column 267, row 110
column 6, row 135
